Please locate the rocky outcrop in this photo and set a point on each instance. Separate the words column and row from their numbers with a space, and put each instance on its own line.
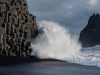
column 90, row 35
column 17, row 27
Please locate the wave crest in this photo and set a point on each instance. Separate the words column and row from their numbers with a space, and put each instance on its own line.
column 53, row 41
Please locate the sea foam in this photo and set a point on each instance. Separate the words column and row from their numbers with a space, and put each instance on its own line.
column 54, row 41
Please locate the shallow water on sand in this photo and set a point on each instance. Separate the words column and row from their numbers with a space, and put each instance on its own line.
column 48, row 68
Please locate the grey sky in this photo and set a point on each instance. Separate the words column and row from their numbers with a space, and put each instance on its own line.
column 73, row 14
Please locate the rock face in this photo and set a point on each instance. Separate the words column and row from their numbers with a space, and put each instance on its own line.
column 90, row 35
column 17, row 27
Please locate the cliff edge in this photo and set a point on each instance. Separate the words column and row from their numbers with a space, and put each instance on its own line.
column 17, row 27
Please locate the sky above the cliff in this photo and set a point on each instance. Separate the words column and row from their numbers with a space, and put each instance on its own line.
column 73, row 14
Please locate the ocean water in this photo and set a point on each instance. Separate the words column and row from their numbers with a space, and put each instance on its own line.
column 48, row 68
column 54, row 41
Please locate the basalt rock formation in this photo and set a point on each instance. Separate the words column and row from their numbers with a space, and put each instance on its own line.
column 17, row 27
column 90, row 35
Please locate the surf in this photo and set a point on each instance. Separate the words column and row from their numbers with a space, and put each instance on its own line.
column 54, row 41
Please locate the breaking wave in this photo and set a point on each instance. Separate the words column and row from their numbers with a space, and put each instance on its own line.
column 54, row 41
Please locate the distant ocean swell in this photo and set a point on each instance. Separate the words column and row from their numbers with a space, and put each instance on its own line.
column 55, row 42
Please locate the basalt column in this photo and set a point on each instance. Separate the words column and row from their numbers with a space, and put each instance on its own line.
column 17, row 28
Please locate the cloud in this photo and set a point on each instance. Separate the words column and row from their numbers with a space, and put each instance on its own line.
column 93, row 2
column 72, row 14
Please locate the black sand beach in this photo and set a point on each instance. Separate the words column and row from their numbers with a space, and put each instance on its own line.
column 34, row 66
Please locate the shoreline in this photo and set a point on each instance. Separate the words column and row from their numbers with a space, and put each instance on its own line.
column 34, row 66
column 12, row 60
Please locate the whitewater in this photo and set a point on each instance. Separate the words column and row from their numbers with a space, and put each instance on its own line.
column 54, row 41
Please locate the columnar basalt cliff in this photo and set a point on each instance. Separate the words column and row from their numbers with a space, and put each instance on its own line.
column 90, row 35
column 17, row 27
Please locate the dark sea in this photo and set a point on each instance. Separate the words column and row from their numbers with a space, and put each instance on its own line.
column 13, row 66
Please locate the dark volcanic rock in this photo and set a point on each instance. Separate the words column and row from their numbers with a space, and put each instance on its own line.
column 90, row 35
column 17, row 27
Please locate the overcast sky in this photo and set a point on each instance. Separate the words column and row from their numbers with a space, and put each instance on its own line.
column 73, row 14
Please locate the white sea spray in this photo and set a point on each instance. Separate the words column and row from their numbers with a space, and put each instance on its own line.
column 55, row 42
